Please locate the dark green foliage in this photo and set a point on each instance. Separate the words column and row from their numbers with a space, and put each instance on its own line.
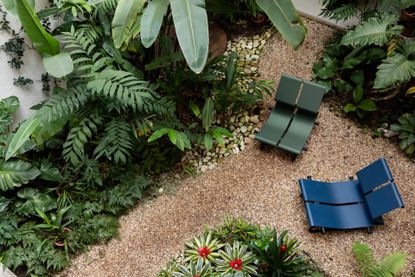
column 406, row 130
column 279, row 255
column 266, row 253
column 40, row 229
column 233, row 10
column 236, row 229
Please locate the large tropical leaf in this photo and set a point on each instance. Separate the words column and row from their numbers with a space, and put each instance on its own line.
column 126, row 21
column 285, row 18
column 192, row 30
column 398, row 68
column 151, row 21
column 59, row 65
column 9, row 104
column 21, row 136
column 43, row 42
column 375, row 30
column 16, row 173
column 11, row 7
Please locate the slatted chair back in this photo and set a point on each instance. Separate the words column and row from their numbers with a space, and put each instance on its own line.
column 288, row 90
column 379, row 188
column 310, row 97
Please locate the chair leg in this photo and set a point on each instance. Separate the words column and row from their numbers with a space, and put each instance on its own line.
column 309, row 177
column 351, row 178
column 369, row 230
column 262, row 146
column 317, row 123
column 294, row 156
column 305, row 148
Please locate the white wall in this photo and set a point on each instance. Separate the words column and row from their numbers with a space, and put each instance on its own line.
column 312, row 8
column 32, row 68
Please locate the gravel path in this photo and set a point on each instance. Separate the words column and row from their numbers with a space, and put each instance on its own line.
column 261, row 186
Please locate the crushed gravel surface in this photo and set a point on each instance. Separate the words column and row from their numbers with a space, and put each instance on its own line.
column 262, row 187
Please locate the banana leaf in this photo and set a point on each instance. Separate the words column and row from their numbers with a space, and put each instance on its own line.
column 43, row 42
column 285, row 18
column 192, row 30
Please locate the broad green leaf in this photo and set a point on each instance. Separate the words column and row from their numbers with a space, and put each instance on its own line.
column 151, row 21
column 41, row 135
column 208, row 141
column 358, row 77
column 125, row 24
column 16, row 173
column 373, row 31
column 172, row 136
column 21, row 136
column 59, row 65
column 342, row 86
column 394, row 70
column 358, row 94
column 50, row 173
column 367, row 105
column 34, row 199
column 9, row 104
column 410, row 90
column 43, row 42
column 191, row 24
column 231, row 70
column 158, row 134
column 350, row 108
column 11, row 7
column 285, row 18
column 207, row 113
column 195, row 109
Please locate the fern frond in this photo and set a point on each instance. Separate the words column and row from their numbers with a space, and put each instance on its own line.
column 391, row 265
column 162, row 106
column 123, row 87
column 106, row 6
column 81, row 44
column 116, row 143
column 344, row 12
column 73, row 148
column 125, row 194
column 364, row 258
column 60, row 106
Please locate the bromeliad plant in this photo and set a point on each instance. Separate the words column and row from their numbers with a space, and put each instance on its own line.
column 248, row 251
column 236, row 260
column 280, row 255
column 200, row 269
column 204, row 247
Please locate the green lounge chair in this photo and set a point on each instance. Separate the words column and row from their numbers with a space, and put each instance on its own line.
column 290, row 122
column 281, row 115
column 303, row 121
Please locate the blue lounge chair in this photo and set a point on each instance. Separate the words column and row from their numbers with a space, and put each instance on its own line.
column 351, row 204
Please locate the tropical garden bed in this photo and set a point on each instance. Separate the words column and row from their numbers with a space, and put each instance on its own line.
column 129, row 113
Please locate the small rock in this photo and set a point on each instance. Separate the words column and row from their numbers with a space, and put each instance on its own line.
column 248, row 140
column 254, row 119
column 244, row 129
column 203, row 168
column 161, row 190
